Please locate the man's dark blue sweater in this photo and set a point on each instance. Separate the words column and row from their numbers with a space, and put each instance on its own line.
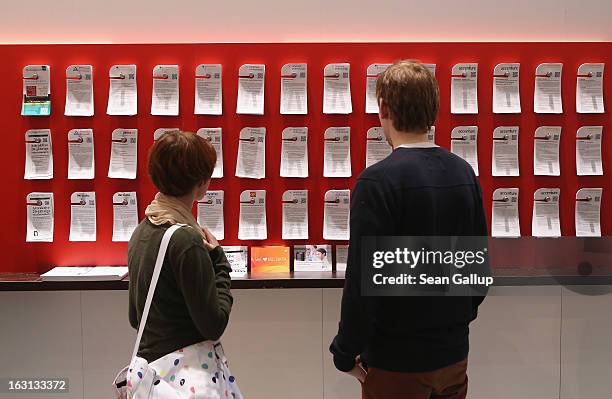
column 415, row 191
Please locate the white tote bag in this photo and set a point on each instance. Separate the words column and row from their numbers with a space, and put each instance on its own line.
column 197, row 371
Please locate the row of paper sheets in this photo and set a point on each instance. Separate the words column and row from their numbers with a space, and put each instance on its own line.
column 547, row 98
column 545, row 221
column 505, row 153
column 123, row 95
column 306, row 258
column 251, row 158
column 252, row 220
column 250, row 162
column 40, row 216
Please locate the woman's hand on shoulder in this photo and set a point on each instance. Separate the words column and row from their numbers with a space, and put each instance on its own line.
column 210, row 242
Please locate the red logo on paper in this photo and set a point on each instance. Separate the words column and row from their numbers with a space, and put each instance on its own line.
column 31, row 91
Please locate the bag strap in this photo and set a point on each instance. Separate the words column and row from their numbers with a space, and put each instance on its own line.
column 156, row 271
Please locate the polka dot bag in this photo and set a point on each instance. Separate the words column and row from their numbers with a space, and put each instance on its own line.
column 199, row 371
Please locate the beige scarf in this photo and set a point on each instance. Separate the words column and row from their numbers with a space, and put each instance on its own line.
column 167, row 209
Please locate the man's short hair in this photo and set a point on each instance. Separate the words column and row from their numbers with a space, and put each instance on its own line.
column 178, row 161
column 410, row 92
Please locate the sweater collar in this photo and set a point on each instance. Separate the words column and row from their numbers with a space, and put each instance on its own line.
column 421, row 144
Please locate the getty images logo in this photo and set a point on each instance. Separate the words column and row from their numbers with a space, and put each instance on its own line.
column 412, row 259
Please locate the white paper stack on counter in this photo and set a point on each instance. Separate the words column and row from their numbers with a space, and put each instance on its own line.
column 85, row 273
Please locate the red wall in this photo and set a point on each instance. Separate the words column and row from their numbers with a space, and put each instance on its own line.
column 19, row 256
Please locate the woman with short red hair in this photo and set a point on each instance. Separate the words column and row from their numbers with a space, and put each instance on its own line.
column 192, row 301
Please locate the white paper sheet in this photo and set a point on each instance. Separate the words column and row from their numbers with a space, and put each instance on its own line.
column 165, row 97
column 163, row 130
column 547, row 93
column 36, row 99
column 337, row 89
column 505, row 218
column 337, row 152
column 40, row 217
column 546, row 151
column 463, row 143
column 81, row 162
column 431, row 135
column 294, row 100
column 216, row 139
column 341, row 257
column 545, row 221
column 79, row 91
column 210, row 213
column 208, row 89
column 506, row 97
column 588, row 151
column 588, row 212
column 371, row 102
column 336, row 215
column 122, row 90
column 83, row 216
column 238, row 257
column 251, row 160
column 464, row 85
column 312, row 258
column 124, row 154
column 377, row 146
column 505, row 151
column 39, row 155
column 431, row 67
column 294, row 152
column 252, row 224
column 589, row 89
column 85, row 273
column 251, row 78
column 295, row 215
column 125, row 215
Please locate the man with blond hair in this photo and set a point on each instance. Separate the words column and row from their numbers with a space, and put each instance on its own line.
column 412, row 347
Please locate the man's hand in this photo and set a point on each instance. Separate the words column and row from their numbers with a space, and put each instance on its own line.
column 210, row 242
column 358, row 371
